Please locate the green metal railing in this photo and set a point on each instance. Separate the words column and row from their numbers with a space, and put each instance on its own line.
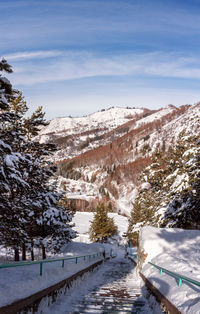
column 133, row 254
column 41, row 262
column 180, row 277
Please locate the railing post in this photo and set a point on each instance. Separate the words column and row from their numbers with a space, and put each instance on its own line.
column 76, row 260
column 180, row 282
column 41, row 268
column 161, row 271
column 84, row 258
column 63, row 263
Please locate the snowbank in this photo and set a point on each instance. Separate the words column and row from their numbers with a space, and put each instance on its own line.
column 20, row 282
column 154, row 241
column 178, row 251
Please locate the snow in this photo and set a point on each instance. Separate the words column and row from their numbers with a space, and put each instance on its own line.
column 9, row 161
column 188, row 122
column 110, row 118
column 5, row 145
column 155, row 241
column 83, row 220
column 5, row 81
column 105, row 121
column 178, row 251
column 20, row 282
column 145, row 186
column 16, row 283
column 181, row 182
column 174, row 249
column 17, row 178
column 80, row 188
column 127, row 195
column 117, row 274
column 79, row 196
column 155, row 116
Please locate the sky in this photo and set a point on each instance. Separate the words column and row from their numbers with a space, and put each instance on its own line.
column 75, row 57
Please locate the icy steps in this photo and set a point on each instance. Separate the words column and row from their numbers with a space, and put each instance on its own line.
column 111, row 299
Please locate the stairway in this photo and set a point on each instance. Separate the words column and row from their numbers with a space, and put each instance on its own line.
column 112, row 288
column 115, row 297
column 110, row 301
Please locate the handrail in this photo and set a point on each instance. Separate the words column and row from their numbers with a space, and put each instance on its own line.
column 173, row 274
column 41, row 262
column 133, row 254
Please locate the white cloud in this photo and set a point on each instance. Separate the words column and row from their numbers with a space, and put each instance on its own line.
column 33, row 55
column 61, row 65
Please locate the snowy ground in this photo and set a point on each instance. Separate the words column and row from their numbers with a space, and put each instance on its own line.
column 87, row 295
column 20, row 282
column 16, row 283
column 178, row 251
column 174, row 249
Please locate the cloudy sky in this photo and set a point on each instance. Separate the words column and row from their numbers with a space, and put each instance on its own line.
column 75, row 57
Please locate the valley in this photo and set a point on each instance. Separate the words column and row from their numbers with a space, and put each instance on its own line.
column 100, row 157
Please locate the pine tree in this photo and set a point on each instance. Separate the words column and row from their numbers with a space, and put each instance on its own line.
column 172, row 199
column 12, row 164
column 136, row 215
column 183, row 209
column 102, row 227
column 48, row 221
column 30, row 209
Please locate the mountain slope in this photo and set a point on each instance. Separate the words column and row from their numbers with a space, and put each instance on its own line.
column 103, row 154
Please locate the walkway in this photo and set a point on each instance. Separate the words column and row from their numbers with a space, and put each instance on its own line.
column 113, row 288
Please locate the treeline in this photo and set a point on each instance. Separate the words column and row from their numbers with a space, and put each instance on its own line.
column 170, row 188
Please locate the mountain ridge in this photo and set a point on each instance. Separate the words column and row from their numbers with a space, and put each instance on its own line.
column 110, row 158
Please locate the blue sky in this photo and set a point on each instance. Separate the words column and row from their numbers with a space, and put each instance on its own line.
column 75, row 57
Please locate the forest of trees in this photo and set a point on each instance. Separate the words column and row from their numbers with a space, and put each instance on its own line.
column 172, row 198
column 32, row 213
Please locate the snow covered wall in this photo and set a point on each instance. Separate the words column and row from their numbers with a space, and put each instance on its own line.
column 176, row 250
column 155, row 241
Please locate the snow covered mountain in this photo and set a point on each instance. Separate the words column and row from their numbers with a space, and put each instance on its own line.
column 77, row 135
column 104, row 119
column 101, row 156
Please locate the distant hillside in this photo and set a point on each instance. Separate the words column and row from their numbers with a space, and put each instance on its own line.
column 100, row 156
column 77, row 135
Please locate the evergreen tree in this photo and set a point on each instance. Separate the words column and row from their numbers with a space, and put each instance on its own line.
column 173, row 196
column 12, row 167
column 102, row 227
column 136, row 215
column 30, row 209
column 183, row 209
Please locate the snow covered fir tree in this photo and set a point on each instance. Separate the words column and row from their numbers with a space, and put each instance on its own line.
column 31, row 210
column 102, row 227
column 170, row 188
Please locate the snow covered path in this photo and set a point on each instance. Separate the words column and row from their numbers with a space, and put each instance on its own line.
column 113, row 288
